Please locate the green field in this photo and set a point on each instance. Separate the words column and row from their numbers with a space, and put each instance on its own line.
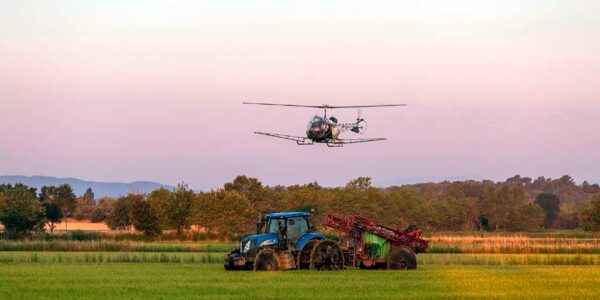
column 185, row 281
column 459, row 266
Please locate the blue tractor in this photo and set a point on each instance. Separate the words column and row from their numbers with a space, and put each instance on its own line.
column 285, row 241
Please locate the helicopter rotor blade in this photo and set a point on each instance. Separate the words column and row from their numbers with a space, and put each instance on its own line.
column 278, row 104
column 324, row 106
column 360, row 106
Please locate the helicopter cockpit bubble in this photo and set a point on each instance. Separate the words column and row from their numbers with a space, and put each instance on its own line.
column 317, row 128
column 316, row 123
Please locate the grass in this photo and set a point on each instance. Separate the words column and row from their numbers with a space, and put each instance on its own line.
column 513, row 244
column 553, row 233
column 111, row 246
column 193, row 281
column 110, row 257
column 509, row 259
column 478, row 244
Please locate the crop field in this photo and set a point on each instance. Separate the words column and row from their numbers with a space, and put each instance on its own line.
column 517, row 244
column 500, row 266
column 185, row 281
column 558, row 243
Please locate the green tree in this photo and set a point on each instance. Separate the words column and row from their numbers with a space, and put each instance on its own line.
column 250, row 188
column 224, row 212
column 159, row 200
column 119, row 217
column 529, row 218
column 66, row 200
column 551, row 206
column 205, row 212
column 172, row 209
column 53, row 213
column 180, row 208
column 452, row 213
column 359, row 184
column 20, row 209
column 89, row 194
column 63, row 197
column 590, row 216
column 142, row 217
column 102, row 209
column 85, row 205
column 506, row 208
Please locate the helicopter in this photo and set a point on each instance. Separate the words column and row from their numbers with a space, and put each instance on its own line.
column 322, row 129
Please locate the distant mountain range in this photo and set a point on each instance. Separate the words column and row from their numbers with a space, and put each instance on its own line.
column 100, row 189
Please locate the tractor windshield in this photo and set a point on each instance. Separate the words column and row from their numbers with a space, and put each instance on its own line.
column 275, row 226
column 296, row 228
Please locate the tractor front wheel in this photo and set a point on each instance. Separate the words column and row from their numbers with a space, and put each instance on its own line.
column 230, row 258
column 402, row 258
column 266, row 260
column 326, row 255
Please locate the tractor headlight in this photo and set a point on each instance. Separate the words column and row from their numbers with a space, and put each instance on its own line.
column 247, row 247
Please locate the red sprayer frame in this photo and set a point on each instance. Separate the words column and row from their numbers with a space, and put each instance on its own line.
column 354, row 227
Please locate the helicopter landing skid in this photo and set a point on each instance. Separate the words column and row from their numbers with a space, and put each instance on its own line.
column 334, row 143
column 305, row 142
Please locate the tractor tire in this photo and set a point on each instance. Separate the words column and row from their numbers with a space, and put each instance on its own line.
column 229, row 266
column 304, row 255
column 326, row 255
column 402, row 258
column 266, row 260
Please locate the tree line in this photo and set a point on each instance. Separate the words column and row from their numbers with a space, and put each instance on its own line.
column 517, row 204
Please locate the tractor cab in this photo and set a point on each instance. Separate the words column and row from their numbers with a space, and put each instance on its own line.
column 289, row 227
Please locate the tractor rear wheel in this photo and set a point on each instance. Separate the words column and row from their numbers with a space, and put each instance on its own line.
column 326, row 255
column 304, row 255
column 402, row 258
column 266, row 260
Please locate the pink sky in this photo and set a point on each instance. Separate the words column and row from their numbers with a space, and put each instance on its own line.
column 137, row 90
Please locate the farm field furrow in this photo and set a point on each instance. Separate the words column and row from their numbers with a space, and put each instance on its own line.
column 187, row 281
